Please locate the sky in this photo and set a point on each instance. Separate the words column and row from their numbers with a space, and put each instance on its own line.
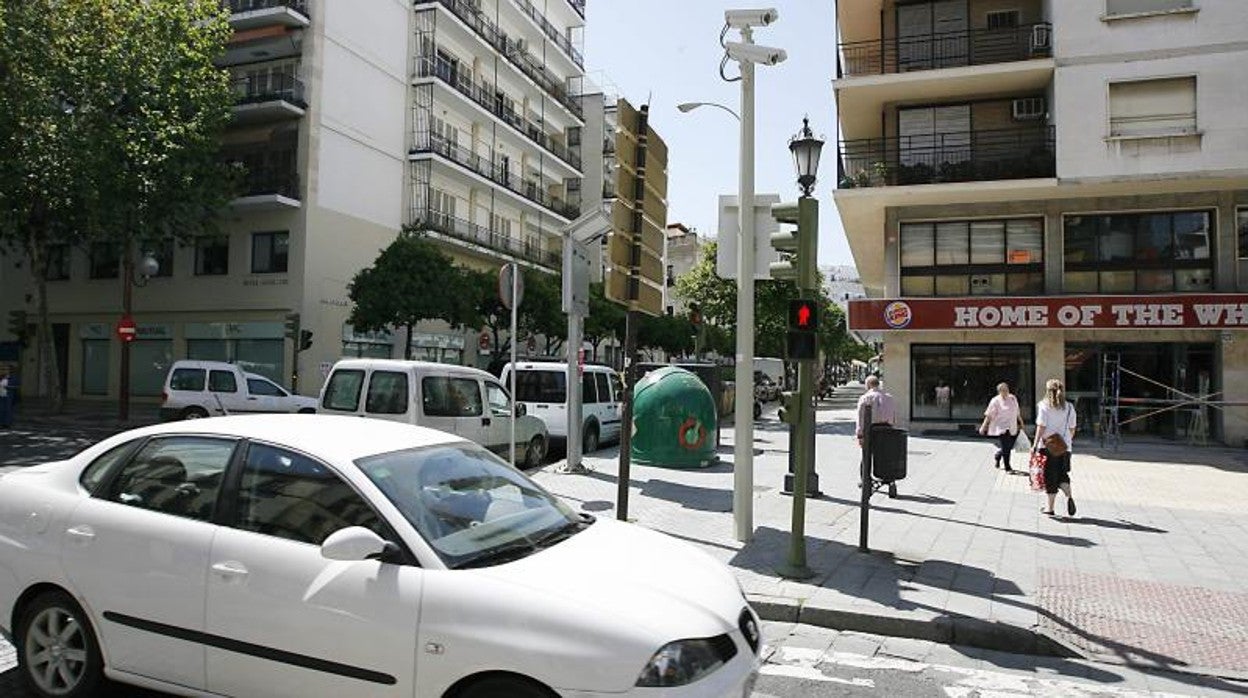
column 668, row 52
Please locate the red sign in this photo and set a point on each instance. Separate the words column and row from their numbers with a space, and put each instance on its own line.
column 126, row 329
column 1192, row 311
column 483, row 341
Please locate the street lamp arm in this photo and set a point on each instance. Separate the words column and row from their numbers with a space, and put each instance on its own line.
column 690, row 106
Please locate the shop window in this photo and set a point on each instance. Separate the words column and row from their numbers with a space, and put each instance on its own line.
column 95, row 365
column 58, row 262
column 1145, row 108
column 1138, row 252
column 105, row 260
column 212, row 256
column 959, row 258
column 269, row 252
column 955, row 382
column 149, row 364
column 1243, row 232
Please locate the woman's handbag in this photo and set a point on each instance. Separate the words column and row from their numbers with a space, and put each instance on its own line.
column 1054, row 443
column 1035, row 470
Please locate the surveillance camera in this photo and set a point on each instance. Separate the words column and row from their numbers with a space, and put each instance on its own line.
column 753, row 53
column 739, row 19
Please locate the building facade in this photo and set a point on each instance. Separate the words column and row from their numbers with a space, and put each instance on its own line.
column 1051, row 188
column 459, row 117
column 682, row 250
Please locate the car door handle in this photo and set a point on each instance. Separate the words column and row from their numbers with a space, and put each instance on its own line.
column 82, row 533
column 230, row 569
column 485, row 421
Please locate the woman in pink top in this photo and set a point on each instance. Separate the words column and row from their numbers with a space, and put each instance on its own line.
column 1003, row 420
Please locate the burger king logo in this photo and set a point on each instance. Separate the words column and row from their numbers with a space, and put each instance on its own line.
column 897, row 315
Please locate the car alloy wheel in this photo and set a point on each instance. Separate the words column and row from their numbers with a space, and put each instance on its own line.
column 58, row 652
column 535, row 452
column 590, row 443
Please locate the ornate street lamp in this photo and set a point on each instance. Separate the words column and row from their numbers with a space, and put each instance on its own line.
column 806, row 150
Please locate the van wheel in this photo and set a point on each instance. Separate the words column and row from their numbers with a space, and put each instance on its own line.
column 535, row 452
column 590, row 443
column 194, row 413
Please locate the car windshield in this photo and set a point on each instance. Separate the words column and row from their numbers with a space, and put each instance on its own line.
column 472, row 508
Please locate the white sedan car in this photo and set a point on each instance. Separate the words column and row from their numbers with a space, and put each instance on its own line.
column 290, row 555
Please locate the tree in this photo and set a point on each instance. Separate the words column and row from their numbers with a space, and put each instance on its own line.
column 411, row 281
column 110, row 117
column 540, row 311
column 668, row 333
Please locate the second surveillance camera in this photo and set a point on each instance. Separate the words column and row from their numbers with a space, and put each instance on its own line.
column 739, row 19
column 754, row 53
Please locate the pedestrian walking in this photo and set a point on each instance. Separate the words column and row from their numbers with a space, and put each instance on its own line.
column 1055, row 436
column 883, row 407
column 1004, row 421
column 6, row 400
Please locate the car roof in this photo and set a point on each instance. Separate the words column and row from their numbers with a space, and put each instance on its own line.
column 403, row 365
column 328, row 436
column 553, row 366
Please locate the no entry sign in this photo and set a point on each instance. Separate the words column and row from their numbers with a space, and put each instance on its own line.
column 126, row 329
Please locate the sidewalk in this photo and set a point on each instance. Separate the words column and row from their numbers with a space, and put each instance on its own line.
column 1149, row 574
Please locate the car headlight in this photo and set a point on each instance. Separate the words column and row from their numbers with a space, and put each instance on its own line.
column 685, row 661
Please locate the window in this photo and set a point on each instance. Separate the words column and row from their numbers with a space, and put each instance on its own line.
column 162, row 252
column 604, row 387
column 387, row 393
column 617, row 386
column 954, row 382
column 187, row 379
column 958, row 258
column 269, row 252
column 443, row 203
column 1144, row 108
column 105, row 260
column 95, row 474
column 541, row 386
column 1243, row 232
column 1002, row 19
column 259, row 386
column 444, row 396
column 500, row 225
column 212, row 256
column 178, row 475
column 1139, row 252
column 589, row 389
column 58, row 262
column 291, row 496
column 1130, row 7
column 222, row 382
column 343, row 391
column 500, row 404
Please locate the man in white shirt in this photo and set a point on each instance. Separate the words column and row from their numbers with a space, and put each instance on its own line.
column 883, row 407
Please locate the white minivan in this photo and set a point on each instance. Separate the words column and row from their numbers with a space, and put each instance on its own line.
column 542, row 387
column 195, row 389
column 456, row 399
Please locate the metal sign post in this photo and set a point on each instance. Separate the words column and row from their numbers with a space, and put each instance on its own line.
column 511, row 293
column 865, row 480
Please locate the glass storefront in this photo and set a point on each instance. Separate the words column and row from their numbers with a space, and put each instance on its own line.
column 95, row 365
column 366, row 345
column 257, row 347
column 150, row 360
column 954, row 382
column 440, row 348
column 1150, row 375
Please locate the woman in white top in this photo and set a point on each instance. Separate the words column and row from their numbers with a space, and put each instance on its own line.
column 1003, row 420
column 1056, row 416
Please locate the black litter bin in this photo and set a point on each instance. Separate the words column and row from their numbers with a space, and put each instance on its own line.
column 888, row 453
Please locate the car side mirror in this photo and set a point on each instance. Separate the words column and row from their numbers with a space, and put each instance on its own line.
column 521, row 410
column 356, row 543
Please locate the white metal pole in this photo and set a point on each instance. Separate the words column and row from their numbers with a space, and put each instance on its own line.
column 515, row 303
column 743, row 433
column 575, row 398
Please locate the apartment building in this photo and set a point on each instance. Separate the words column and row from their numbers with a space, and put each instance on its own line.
column 352, row 119
column 1051, row 188
column 682, row 250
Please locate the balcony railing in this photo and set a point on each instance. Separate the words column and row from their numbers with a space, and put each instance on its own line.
column 485, row 96
column 253, row 89
column 270, row 180
column 579, row 6
column 236, row 6
column 514, row 52
column 1016, row 153
column 460, row 229
column 495, row 169
column 551, row 33
column 946, row 50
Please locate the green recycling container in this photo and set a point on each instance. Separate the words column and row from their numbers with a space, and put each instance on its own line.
column 674, row 420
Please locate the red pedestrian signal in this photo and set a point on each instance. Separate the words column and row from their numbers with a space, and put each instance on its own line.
column 803, row 315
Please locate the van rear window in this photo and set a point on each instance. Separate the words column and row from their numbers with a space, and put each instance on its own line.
column 541, row 386
column 187, row 379
column 342, row 392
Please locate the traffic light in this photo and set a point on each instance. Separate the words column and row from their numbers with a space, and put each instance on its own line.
column 292, row 326
column 305, row 340
column 803, row 325
column 789, row 411
column 18, row 326
column 798, row 243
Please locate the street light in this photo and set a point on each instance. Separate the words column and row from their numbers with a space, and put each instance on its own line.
column 806, row 150
column 686, row 107
column 149, row 266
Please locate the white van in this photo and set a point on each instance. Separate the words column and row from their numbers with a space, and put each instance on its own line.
column 542, row 387
column 455, row 399
column 195, row 389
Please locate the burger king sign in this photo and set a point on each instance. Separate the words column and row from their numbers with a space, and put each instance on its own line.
column 897, row 315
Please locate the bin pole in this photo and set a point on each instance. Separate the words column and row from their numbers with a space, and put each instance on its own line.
column 865, row 481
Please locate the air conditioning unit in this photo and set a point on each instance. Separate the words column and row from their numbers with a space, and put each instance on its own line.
column 1027, row 109
column 1041, row 39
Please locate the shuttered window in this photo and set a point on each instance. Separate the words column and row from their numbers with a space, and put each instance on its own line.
column 1129, row 7
column 1153, row 107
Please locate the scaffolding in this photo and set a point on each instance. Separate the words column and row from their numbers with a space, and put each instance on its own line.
column 1113, row 403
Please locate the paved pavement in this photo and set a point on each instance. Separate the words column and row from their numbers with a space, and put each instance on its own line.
column 1148, row 574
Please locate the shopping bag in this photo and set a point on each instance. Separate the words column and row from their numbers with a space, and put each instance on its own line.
column 1023, row 444
column 1036, row 471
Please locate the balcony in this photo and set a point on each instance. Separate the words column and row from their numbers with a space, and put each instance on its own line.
column 494, row 169
column 270, row 180
column 460, row 229
column 485, row 95
column 972, row 156
column 270, row 96
column 250, row 14
column 551, row 32
column 945, row 50
column 514, row 52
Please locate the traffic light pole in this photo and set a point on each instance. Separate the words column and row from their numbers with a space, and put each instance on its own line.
column 743, row 418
